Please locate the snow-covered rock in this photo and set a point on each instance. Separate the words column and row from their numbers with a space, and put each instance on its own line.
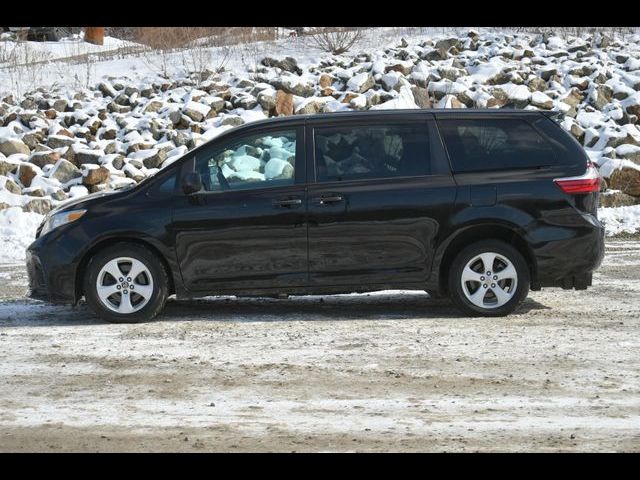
column 132, row 125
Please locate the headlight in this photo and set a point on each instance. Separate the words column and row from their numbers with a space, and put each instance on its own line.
column 59, row 219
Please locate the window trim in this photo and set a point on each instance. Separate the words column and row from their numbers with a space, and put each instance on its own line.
column 350, row 124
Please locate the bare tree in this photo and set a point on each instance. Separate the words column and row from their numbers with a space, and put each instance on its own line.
column 335, row 40
column 206, row 53
column 23, row 64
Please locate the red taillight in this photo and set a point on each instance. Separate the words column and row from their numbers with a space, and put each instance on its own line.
column 587, row 183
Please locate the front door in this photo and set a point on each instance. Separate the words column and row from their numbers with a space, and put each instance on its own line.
column 382, row 191
column 246, row 229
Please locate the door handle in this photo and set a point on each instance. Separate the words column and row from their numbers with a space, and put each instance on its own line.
column 327, row 199
column 287, row 202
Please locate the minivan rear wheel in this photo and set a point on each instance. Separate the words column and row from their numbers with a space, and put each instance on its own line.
column 126, row 283
column 489, row 278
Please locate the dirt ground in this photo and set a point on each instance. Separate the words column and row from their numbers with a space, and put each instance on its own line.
column 392, row 371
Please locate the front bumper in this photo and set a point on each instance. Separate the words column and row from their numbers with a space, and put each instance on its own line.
column 51, row 275
column 37, row 284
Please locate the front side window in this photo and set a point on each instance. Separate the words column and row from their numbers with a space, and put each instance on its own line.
column 500, row 144
column 371, row 151
column 256, row 161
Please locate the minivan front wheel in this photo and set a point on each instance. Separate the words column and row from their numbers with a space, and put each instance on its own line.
column 126, row 283
column 488, row 278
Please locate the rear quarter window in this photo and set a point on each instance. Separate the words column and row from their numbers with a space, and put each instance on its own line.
column 501, row 144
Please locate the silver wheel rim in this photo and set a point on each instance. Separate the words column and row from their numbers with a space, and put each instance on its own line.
column 124, row 285
column 489, row 280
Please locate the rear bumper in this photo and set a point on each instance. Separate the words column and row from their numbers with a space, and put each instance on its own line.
column 568, row 256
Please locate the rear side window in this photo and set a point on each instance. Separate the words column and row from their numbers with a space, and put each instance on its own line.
column 371, row 151
column 500, row 144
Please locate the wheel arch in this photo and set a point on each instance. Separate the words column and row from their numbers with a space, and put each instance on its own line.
column 82, row 266
column 463, row 237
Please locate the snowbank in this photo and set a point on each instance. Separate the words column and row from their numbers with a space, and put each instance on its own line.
column 620, row 219
column 17, row 232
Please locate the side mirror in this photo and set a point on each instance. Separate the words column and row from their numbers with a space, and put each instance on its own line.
column 191, row 183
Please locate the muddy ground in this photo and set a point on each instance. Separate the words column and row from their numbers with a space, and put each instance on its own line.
column 393, row 371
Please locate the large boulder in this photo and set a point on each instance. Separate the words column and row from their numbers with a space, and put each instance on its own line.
column 156, row 159
column 421, row 97
column 83, row 156
column 60, row 105
column 64, row 171
column 247, row 102
column 216, row 104
column 94, row 176
column 7, row 166
column 38, row 205
column 629, row 152
column 326, row 80
column 499, row 78
column 32, row 140
column 541, row 100
column 284, row 103
column 59, row 195
column 548, row 73
column 196, row 111
column 232, row 120
column 44, row 158
column 10, row 146
column 622, row 139
column 634, row 108
column 33, row 191
column 573, row 98
column 107, row 90
column 390, row 80
column 12, row 187
column 294, row 85
column 617, row 199
column 289, row 64
column 361, row 83
column 403, row 68
column 464, row 98
column 578, row 132
column 602, row 95
column 26, row 173
column 59, row 141
column 153, row 106
column 267, row 100
column 537, row 84
column 446, row 44
column 626, row 180
column 434, row 55
column 449, row 73
column 310, row 107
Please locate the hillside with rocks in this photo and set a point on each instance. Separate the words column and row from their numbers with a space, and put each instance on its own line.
column 61, row 143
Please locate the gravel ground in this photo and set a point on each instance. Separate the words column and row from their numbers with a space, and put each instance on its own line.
column 391, row 371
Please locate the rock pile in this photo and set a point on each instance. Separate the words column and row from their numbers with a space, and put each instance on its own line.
column 59, row 144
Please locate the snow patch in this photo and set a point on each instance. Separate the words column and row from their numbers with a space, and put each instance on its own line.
column 17, row 232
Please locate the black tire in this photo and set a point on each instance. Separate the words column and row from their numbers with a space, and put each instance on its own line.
column 458, row 296
column 154, row 265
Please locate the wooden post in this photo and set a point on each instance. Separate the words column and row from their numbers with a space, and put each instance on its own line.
column 94, row 35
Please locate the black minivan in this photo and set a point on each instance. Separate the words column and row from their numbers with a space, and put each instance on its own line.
column 479, row 205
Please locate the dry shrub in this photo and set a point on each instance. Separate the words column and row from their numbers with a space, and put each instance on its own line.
column 335, row 40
